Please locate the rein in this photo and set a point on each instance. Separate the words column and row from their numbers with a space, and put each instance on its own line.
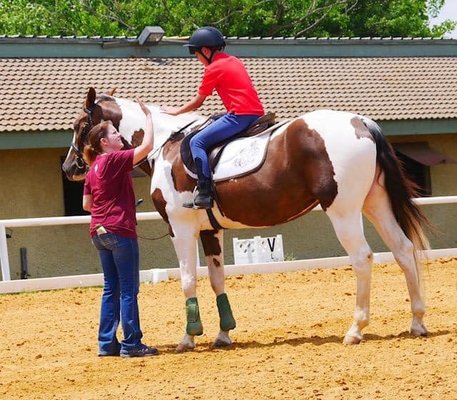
column 80, row 162
column 171, row 138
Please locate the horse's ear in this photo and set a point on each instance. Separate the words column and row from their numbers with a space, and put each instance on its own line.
column 112, row 91
column 90, row 98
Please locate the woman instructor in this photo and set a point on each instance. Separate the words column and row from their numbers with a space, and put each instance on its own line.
column 109, row 197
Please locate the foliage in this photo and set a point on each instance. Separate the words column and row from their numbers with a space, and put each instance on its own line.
column 233, row 17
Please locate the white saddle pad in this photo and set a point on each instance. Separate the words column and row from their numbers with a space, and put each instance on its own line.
column 242, row 156
column 239, row 157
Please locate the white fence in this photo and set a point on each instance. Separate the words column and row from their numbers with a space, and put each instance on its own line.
column 8, row 286
column 48, row 221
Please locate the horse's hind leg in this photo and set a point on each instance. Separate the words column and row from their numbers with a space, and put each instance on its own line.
column 349, row 230
column 213, row 246
column 378, row 210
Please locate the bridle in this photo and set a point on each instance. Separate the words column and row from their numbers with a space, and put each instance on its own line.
column 79, row 160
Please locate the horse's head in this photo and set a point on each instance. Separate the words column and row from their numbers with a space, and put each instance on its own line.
column 95, row 110
column 128, row 119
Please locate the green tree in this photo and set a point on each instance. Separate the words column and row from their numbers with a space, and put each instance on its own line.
column 233, row 17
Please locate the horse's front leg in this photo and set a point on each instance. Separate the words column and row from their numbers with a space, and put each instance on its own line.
column 213, row 245
column 185, row 243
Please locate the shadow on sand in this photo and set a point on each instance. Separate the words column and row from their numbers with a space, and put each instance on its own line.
column 206, row 346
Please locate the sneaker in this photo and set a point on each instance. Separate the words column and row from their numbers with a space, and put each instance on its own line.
column 114, row 352
column 107, row 354
column 142, row 351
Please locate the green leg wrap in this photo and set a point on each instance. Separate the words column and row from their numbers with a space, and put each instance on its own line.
column 227, row 322
column 194, row 323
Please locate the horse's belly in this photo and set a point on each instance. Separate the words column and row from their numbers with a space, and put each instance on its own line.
column 244, row 222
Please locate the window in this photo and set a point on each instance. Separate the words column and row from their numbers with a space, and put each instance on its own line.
column 418, row 173
column 72, row 196
column 73, row 193
column 417, row 159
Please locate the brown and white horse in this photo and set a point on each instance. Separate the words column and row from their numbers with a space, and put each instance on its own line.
column 336, row 159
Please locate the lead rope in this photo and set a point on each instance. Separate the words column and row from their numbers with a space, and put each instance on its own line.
column 154, row 238
column 137, row 203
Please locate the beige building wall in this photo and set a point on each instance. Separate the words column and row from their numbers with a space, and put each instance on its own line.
column 31, row 186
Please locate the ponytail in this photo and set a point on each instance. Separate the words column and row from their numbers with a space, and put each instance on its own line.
column 93, row 147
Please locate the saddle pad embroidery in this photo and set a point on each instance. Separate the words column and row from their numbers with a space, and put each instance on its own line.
column 241, row 157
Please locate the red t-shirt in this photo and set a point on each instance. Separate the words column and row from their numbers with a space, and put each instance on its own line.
column 228, row 76
column 113, row 201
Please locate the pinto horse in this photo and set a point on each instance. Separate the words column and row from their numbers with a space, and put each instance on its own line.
column 338, row 160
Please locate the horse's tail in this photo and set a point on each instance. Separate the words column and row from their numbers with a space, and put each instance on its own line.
column 400, row 189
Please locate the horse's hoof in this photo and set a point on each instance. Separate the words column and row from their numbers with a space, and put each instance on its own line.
column 419, row 330
column 222, row 340
column 183, row 347
column 220, row 344
column 349, row 339
column 187, row 343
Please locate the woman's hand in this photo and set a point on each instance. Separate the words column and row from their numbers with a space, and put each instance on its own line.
column 143, row 106
column 146, row 145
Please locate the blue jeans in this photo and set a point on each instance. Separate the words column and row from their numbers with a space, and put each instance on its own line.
column 119, row 257
column 221, row 129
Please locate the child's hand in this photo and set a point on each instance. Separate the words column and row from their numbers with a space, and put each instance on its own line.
column 169, row 110
column 143, row 106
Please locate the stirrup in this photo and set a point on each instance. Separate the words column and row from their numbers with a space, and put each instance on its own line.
column 206, row 205
column 192, row 204
column 188, row 204
column 195, row 206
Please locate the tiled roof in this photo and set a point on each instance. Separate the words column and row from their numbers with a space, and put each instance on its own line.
column 256, row 38
column 47, row 93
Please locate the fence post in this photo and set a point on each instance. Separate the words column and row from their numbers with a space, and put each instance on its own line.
column 4, row 255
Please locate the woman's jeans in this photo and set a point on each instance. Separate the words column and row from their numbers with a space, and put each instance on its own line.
column 223, row 128
column 119, row 257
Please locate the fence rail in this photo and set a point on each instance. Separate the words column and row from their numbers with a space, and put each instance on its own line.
column 53, row 221
column 47, row 221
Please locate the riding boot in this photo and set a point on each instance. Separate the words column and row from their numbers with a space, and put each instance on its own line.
column 203, row 195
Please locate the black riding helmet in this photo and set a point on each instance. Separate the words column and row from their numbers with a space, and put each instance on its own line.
column 206, row 37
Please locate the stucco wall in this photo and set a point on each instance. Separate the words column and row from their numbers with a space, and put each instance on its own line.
column 31, row 186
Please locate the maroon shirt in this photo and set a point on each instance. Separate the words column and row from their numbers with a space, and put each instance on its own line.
column 113, row 201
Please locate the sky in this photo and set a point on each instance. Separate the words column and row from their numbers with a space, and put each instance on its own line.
column 449, row 11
